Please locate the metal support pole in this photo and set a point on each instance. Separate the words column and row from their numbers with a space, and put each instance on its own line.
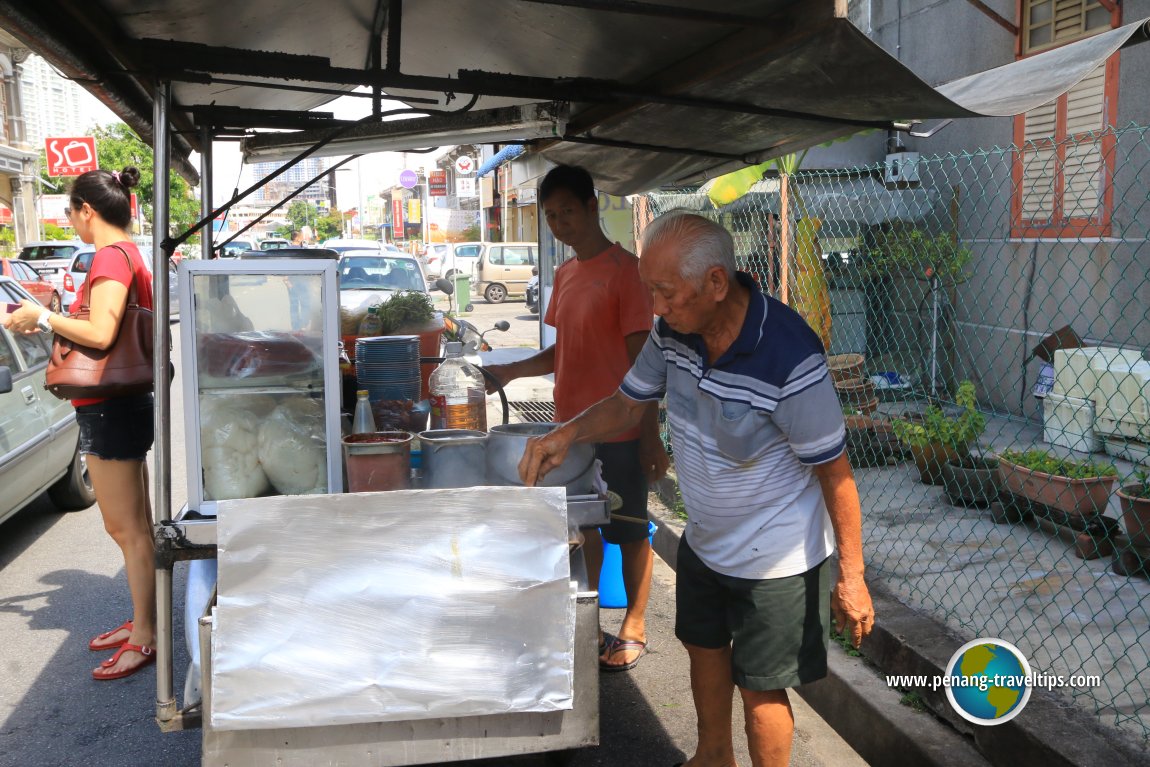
column 934, row 312
column 784, row 235
column 162, row 475
column 206, row 235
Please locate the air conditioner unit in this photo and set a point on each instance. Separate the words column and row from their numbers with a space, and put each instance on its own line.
column 901, row 166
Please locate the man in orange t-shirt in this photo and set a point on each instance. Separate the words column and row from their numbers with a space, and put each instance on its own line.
column 602, row 316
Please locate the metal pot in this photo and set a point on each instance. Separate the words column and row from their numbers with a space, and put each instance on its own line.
column 453, row 458
column 505, row 446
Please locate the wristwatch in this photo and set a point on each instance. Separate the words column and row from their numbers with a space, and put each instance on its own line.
column 42, row 321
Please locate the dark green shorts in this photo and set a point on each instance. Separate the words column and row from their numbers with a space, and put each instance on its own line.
column 624, row 477
column 777, row 628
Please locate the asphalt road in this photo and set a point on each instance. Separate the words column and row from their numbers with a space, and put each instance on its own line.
column 61, row 582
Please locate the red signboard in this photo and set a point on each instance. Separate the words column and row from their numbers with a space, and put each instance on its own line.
column 70, row 156
column 397, row 215
column 437, row 183
column 135, row 207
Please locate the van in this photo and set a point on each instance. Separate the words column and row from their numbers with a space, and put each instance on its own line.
column 504, row 269
column 446, row 259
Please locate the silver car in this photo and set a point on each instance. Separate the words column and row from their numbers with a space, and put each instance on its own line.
column 51, row 258
column 39, row 438
column 77, row 274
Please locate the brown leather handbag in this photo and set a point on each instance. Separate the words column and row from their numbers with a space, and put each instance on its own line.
column 76, row 371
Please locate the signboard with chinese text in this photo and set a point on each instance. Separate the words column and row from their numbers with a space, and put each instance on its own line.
column 397, row 214
column 437, row 183
column 70, row 156
column 414, row 212
column 465, row 187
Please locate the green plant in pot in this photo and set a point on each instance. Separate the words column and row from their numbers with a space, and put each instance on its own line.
column 1134, row 498
column 939, row 437
column 1077, row 489
column 870, row 438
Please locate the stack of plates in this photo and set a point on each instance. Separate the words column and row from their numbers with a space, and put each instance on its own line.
column 388, row 367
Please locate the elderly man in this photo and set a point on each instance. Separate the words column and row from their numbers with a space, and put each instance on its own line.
column 759, row 445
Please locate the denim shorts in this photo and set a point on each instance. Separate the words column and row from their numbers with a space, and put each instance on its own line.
column 118, row 429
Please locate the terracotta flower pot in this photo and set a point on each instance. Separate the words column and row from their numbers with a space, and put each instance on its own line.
column 1135, row 514
column 845, row 366
column 1085, row 498
column 930, row 460
column 857, row 393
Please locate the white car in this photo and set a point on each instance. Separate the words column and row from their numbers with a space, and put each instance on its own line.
column 447, row 259
column 343, row 246
column 370, row 277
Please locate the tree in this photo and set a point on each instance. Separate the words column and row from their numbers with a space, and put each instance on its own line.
column 117, row 146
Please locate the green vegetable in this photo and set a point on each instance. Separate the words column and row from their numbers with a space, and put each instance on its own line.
column 406, row 310
column 1043, row 461
column 937, row 427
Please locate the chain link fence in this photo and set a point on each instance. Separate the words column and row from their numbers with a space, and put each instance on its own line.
column 986, row 319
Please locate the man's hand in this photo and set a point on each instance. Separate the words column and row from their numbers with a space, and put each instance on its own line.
column 653, row 458
column 545, row 453
column 852, row 608
column 496, row 373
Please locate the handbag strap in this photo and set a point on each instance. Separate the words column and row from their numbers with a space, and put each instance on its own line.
column 133, row 297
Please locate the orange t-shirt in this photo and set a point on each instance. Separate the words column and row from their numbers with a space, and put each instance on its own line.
column 594, row 306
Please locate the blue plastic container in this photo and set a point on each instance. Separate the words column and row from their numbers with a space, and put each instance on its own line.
column 612, row 593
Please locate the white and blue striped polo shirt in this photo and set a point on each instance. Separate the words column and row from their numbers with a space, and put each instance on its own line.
column 746, row 431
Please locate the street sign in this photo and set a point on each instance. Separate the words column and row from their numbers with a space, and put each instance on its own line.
column 70, row 156
column 408, row 179
column 464, row 164
column 437, row 183
column 465, row 187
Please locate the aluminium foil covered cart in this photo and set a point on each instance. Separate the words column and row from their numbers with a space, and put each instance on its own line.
column 270, row 680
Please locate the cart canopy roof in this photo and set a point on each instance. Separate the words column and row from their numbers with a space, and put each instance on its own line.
column 643, row 94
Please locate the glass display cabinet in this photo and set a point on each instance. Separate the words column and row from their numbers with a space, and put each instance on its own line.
column 260, row 371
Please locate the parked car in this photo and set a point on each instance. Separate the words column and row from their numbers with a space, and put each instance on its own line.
column 504, row 269
column 292, row 252
column 50, row 258
column 344, row 245
column 39, row 437
column 274, row 243
column 77, row 275
column 32, row 281
column 368, row 277
column 235, row 248
column 446, row 259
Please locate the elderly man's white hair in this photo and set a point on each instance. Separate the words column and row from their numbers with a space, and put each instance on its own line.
column 701, row 242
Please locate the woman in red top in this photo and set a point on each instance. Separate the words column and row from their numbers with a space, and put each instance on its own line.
column 115, row 434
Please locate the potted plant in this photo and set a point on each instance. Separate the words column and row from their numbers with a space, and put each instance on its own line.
column 870, row 438
column 1078, row 489
column 1135, row 502
column 971, row 480
column 938, row 437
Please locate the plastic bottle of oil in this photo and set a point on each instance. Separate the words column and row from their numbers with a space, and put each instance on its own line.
column 458, row 396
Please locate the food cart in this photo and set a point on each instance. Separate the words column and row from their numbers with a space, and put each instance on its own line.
column 261, row 399
column 261, row 390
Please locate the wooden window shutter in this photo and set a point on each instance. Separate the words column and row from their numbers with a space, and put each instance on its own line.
column 1085, row 121
column 1039, row 158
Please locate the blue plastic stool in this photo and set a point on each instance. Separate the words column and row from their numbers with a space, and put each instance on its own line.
column 612, row 593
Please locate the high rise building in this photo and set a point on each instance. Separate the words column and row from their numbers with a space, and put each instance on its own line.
column 53, row 105
column 285, row 184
